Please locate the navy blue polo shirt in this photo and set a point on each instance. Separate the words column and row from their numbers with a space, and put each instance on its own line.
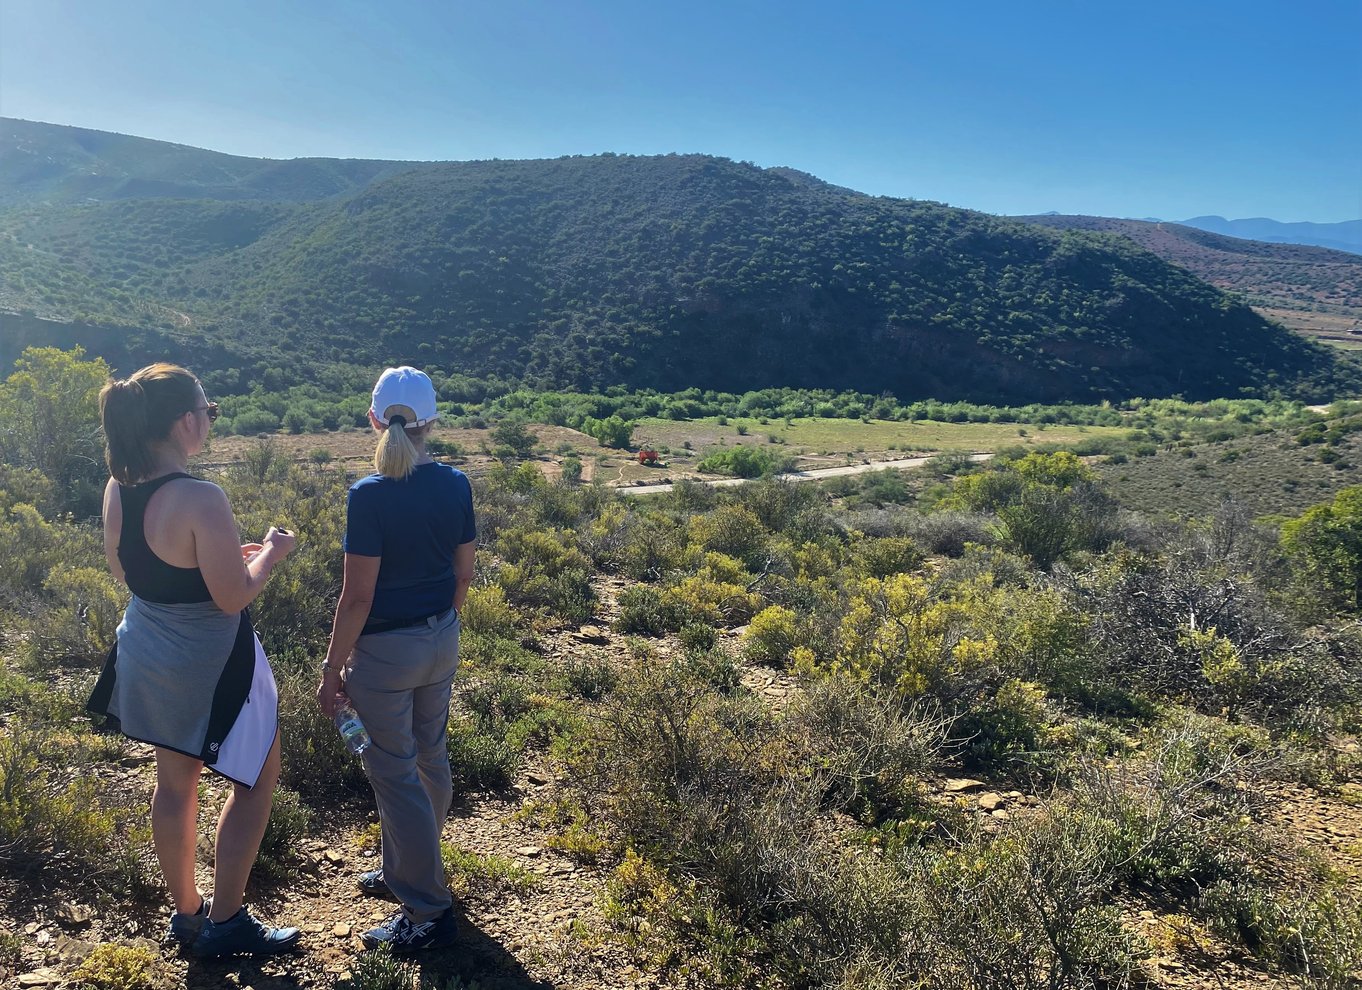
column 414, row 525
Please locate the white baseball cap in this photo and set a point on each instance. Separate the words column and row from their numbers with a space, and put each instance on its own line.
column 405, row 386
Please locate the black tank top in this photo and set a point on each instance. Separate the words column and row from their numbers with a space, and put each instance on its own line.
column 148, row 576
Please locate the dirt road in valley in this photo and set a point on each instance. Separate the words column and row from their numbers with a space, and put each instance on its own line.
column 813, row 475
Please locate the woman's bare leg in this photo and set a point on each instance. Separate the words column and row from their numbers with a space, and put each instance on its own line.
column 240, row 829
column 174, row 824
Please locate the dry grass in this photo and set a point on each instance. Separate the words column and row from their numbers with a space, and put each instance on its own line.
column 858, row 438
column 1270, row 474
column 815, row 443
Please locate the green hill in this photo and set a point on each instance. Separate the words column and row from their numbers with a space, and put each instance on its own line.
column 55, row 164
column 669, row 272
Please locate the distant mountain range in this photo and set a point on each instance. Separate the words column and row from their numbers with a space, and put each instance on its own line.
column 671, row 271
column 1344, row 236
column 1273, row 276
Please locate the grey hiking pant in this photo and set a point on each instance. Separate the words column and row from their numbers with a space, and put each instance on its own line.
column 400, row 683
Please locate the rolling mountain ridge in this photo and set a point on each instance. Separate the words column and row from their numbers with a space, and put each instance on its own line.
column 667, row 271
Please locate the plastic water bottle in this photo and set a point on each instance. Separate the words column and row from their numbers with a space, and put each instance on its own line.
column 352, row 731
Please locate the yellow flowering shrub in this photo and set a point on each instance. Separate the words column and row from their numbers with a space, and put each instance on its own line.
column 900, row 632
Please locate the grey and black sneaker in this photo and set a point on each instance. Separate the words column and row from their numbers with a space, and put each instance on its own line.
column 185, row 927
column 243, row 935
column 403, row 935
column 372, row 884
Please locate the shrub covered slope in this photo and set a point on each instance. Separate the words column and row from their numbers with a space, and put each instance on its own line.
column 1023, row 739
column 670, row 271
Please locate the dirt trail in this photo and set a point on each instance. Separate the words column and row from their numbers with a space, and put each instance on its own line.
column 811, row 475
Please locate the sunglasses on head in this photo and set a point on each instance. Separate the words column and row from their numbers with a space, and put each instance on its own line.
column 211, row 409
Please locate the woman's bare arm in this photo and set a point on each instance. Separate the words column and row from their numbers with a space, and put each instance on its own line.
column 464, row 555
column 113, row 528
column 352, row 611
column 233, row 582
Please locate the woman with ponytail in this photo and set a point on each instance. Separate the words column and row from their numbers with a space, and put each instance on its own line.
column 410, row 538
column 187, row 674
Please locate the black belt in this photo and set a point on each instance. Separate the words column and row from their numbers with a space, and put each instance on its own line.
column 388, row 625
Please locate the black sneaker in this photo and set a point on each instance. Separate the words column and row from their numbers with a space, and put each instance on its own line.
column 372, row 884
column 184, row 927
column 243, row 935
column 403, row 935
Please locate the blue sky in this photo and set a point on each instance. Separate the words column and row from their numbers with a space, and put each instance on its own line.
column 1168, row 109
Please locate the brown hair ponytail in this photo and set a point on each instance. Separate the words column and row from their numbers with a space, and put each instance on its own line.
column 139, row 411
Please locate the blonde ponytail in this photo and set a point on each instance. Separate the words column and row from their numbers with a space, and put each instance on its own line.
column 396, row 455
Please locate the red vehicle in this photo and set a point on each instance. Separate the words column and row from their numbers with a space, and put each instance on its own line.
column 648, row 457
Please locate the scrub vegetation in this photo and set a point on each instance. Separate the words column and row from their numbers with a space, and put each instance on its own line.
column 981, row 727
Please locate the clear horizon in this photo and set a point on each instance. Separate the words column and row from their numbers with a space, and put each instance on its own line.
column 1128, row 110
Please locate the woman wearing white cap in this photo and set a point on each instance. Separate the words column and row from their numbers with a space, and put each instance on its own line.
column 410, row 538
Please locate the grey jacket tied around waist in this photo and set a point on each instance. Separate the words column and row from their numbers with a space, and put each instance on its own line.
column 178, row 675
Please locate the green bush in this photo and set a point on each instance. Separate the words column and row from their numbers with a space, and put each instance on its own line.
column 514, row 434
column 1027, row 910
column 746, row 461
column 315, row 762
column 379, row 969
column 294, row 612
column 465, row 868
column 79, row 621
column 495, row 699
column 699, row 637
column 1008, row 724
column 480, row 651
column 545, row 569
column 714, row 666
column 30, row 546
column 888, row 555
column 948, row 532
column 735, row 531
column 1311, row 926
column 609, row 432
column 700, row 599
column 478, row 757
column 54, row 813
column 280, row 858
column 1250, row 659
column 48, row 415
column 912, row 637
column 641, row 610
column 590, row 677
column 485, row 610
column 771, row 636
column 443, row 449
column 648, row 549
